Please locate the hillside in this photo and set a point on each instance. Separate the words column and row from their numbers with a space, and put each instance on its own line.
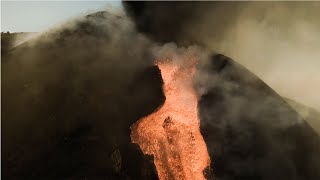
column 9, row 40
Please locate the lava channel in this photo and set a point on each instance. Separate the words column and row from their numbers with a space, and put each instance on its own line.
column 171, row 134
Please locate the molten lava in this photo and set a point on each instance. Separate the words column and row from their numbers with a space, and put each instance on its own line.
column 171, row 134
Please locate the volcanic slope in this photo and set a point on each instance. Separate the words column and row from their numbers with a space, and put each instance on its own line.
column 250, row 131
column 69, row 98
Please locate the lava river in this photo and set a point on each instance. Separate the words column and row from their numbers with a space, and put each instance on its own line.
column 171, row 134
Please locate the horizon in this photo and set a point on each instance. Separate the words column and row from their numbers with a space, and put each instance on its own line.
column 15, row 15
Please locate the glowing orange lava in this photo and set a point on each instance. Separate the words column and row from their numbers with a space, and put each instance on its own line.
column 171, row 134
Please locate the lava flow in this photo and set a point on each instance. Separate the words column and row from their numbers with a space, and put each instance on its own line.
column 171, row 134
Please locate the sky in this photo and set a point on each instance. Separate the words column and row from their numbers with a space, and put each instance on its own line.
column 16, row 15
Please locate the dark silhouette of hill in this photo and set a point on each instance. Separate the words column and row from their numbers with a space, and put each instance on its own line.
column 251, row 132
column 69, row 98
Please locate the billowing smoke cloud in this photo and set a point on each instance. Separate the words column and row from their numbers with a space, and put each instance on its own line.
column 278, row 41
column 76, row 90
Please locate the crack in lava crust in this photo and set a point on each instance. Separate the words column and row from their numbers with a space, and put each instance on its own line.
column 171, row 134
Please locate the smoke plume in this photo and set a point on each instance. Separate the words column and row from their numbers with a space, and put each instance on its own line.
column 278, row 41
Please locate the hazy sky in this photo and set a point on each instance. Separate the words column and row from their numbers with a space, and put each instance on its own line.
column 35, row 16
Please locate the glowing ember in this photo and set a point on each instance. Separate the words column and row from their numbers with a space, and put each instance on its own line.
column 171, row 134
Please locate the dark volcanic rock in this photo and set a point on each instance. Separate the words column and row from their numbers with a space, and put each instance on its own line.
column 69, row 98
column 250, row 131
